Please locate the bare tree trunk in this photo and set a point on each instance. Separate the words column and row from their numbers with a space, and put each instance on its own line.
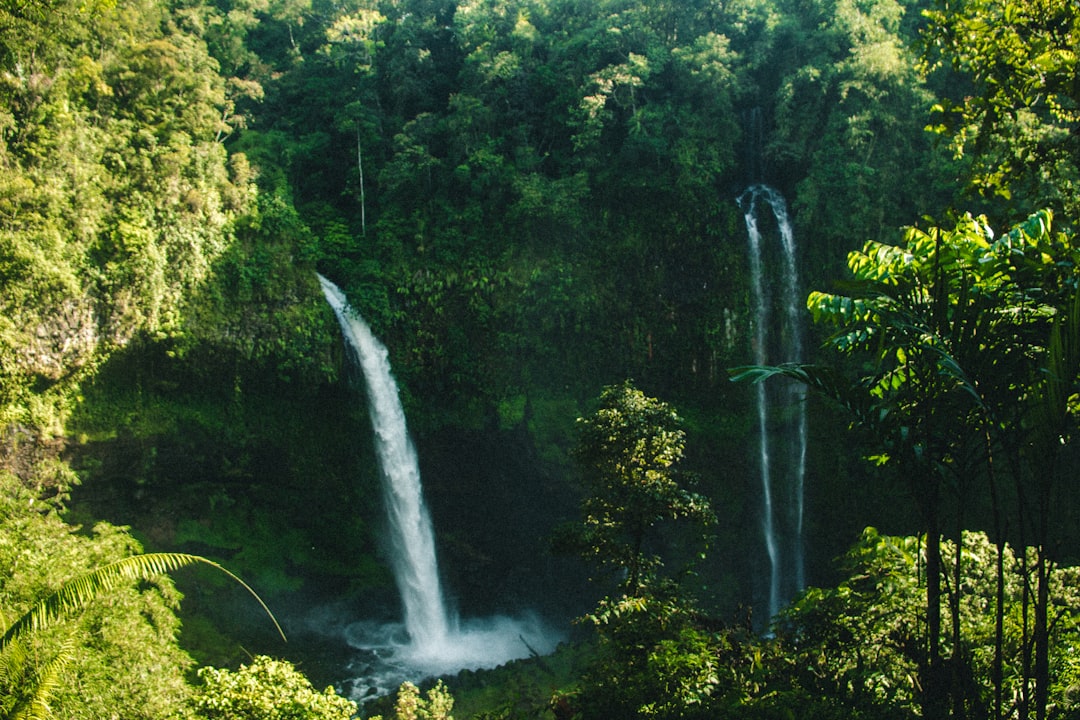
column 997, row 674
column 360, row 167
column 1042, row 634
column 935, row 685
column 956, row 663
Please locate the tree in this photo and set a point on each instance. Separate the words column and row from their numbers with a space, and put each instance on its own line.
column 1015, row 106
column 849, row 113
column 859, row 642
column 654, row 659
column 628, row 451
column 410, row 705
column 96, row 629
column 116, row 197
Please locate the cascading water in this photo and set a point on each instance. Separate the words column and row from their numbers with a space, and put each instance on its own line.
column 412, row 540
column 438, row 641
column 781, row 415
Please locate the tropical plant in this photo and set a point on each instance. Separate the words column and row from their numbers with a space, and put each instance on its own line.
column 38, row 648
column 267, row 689
column 76, row 593
column 628, row 451
column 28, row 682
column 972, row 364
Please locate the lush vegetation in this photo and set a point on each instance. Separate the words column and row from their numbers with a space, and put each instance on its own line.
column 531, row 201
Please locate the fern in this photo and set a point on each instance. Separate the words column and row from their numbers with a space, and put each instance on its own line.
column 75, row 594
column 28, row 689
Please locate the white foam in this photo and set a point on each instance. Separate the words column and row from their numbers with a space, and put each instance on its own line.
column 386, row 657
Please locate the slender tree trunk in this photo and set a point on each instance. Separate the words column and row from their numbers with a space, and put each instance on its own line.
column 996, row 673
column 1024, row 708
column 935, row 684
column 1042, row 634
column 633, row 580
column 957, row 661
column 360, row 168
column 1045, row 485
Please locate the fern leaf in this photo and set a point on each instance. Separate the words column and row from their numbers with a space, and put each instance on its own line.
column 77, row 593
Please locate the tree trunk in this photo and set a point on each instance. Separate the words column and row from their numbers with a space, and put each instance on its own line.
column 997, row 674
column 1042, row 634
column 360, row 169
column 935, row 680
column 957, row 684
column 1024, row 706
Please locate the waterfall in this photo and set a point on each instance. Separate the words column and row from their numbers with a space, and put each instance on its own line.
column 411, row 538
column 781, row 415
column 438, row 642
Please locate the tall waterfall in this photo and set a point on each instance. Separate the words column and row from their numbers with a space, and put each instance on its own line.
column 438, row 642
column 781, row 414
column 412, row 540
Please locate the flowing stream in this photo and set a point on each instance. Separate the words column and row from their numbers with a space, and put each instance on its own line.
column 436, row 641
column 781, row 414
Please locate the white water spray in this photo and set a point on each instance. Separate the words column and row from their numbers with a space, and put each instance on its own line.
column 781, row 420
column 437, row 641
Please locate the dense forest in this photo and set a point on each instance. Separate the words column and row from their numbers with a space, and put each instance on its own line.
column 536, row 206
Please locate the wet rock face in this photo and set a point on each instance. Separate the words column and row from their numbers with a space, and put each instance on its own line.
column 63, row 340
column 35, row 459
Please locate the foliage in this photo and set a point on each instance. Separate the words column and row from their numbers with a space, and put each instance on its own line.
column 1016, row 108
column 861, row 641
column 855, row 650
column 527, row 198
column 261, row 307
column 80, row 591
column 530, row 688
column 628, row 450
column 119, row 653
column 411, row 705
column 654, row 660
column 971, row 365
column 116, row 197
column 850, row 106
column 266, row 689
column 90, row 639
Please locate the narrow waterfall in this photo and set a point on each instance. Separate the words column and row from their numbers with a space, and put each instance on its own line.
column 412, row 540
column 781, row 414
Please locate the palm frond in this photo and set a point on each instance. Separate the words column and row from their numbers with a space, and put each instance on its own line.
column 34, row 705
column 823, row 380
column 77, row 593
column 14, row 678
column 1050, row 410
